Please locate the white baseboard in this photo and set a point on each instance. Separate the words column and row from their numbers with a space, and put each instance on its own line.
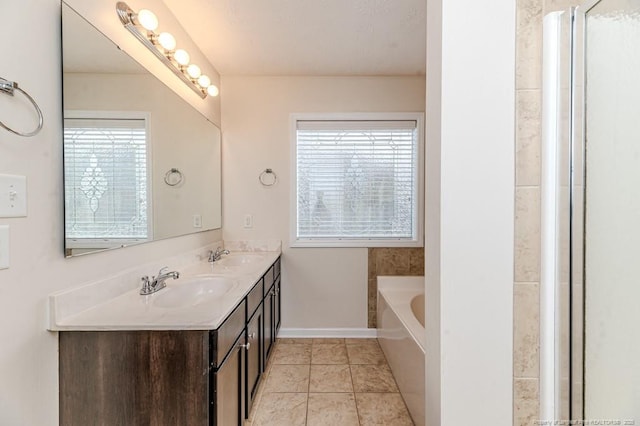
column 328, row 332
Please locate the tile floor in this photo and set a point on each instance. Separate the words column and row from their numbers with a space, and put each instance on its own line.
column 328, row 382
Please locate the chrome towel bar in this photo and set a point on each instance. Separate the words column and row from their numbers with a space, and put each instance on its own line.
column 8, row 88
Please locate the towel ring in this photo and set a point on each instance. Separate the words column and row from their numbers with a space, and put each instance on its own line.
column 271, row 181
column 167, row 177
column 9, row 87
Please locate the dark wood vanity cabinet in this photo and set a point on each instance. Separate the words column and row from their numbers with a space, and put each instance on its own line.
column 271, row 308
column 134, row 378
column 268, row 336
column 227, row 371
column 254, row 359
column 227, row 389
column 177, row 377
column 276, row 311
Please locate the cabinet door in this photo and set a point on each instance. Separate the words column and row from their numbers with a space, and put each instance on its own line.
column 254, row 359
column 268, row 331
column 229, row 389
column 277, row 312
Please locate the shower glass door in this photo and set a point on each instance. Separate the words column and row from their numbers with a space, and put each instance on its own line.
column 611, row 244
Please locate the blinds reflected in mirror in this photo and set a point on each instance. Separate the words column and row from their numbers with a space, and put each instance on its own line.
column 107, row 194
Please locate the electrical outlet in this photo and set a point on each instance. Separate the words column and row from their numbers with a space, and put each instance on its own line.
column 248, row 221
column 197, row 221
column 4, row 247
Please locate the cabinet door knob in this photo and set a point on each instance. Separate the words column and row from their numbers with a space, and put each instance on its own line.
column 247, row 346
column 252, row 336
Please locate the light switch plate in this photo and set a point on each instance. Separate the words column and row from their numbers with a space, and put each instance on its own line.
column 13, row 196
column 4, row 247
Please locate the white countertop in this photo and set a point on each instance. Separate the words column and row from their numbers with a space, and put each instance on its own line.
column 129, row 310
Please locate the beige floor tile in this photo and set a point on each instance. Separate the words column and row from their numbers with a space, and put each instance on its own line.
column 330, row 378
column 292, row 354
column 267, row 367
column 332, row 409
column 365, row 354
column 294, row 341
column 279, row 409
column 329, row 354
column 383, row 409
column 288, row 378
column 373, row 342
column 373, row 378
column 328, row 341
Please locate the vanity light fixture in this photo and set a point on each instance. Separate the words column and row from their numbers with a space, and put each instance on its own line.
column 143, row 26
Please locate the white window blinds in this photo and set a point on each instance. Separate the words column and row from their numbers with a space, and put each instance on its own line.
column 357, row 180
column 105, row 167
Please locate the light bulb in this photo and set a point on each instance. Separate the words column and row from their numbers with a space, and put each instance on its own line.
column 147, row 19
column 167, row 41
column 181, row 56
column 213, row 90
column 204, row 81
column 194, row 71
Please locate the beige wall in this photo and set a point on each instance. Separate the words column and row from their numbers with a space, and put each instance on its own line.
column 322, row 287
column 28, row 358
column 526, row 360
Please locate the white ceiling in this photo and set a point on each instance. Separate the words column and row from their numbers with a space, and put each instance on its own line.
column 308, row 37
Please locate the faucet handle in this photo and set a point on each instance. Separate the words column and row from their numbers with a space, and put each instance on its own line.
column 146, row 284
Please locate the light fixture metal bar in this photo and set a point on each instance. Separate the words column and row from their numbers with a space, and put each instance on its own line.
column 7, row 86
column 125, row 13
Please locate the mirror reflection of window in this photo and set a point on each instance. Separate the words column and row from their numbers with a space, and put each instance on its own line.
column 107, row 169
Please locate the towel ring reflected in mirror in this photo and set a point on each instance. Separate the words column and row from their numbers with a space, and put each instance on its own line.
column 268, row 177
column 9, row 88
column 173, row 177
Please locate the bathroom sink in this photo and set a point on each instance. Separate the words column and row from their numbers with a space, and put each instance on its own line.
column 240, row 259
column 193, row 291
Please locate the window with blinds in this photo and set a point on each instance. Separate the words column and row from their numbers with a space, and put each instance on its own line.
column 357, row 183
column 106, row 181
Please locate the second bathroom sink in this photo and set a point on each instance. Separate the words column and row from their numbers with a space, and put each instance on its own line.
column 194, row 291
column 240, row 259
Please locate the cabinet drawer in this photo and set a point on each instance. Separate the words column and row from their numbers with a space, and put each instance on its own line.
column 225, row 336
column 254, row 298
column 268, row 279
column 276, row 270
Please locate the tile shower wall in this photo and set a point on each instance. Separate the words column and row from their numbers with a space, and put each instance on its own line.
column 526, row 356
column 390, row 261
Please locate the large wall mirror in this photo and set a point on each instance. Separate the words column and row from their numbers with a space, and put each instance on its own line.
column 140, row 163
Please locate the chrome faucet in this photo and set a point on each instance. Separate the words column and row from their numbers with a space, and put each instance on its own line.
column 213, row 256
column 150, row 286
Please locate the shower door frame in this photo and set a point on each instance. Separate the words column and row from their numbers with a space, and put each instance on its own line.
column 577, row 287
